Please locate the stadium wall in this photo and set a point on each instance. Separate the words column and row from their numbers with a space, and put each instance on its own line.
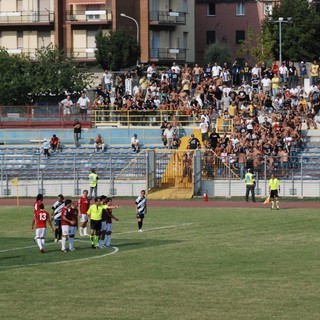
column 112, row 136
column 51, row 188
column 288, row 188
column 130, row 188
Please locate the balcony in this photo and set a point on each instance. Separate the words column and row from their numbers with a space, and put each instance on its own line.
column 89, row 17
column 164, row 54
column 82, row 54
column 167, row 18
column 26, row 17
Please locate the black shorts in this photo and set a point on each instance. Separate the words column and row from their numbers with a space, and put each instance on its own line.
column 83, row 111
column 274, row 194
column 95, row 225
column 140, row 215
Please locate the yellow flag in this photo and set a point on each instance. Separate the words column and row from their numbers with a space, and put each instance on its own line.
column 15, row 182
column 267, row 200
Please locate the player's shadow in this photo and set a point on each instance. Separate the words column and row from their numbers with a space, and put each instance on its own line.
column 11, row 257
column 129, row 244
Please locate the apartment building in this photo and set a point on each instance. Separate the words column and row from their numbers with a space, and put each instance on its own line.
column 228, row 22
column 82, row 20
column 166, row 29
column 26, row 25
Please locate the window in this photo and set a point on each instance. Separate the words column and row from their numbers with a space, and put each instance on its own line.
column 20, row 39
column 211, row 9
column 240, row 36
column 211, row 37
column 44, row 39
column 185, row 6
column 185, row 40
column 93, row 16
column 19, row 5
column 267, row 8
column 91, row 39
column 240, row 9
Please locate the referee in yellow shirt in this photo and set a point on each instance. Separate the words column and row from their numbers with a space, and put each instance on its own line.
column 95, row 213
column 274, row 190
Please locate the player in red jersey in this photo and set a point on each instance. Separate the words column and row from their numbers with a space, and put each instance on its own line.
column 40, row 219
column 84, row 204
column 109, row 218
column 66, row 221
column 37, row 206
column 38, row 203
column 73, row 228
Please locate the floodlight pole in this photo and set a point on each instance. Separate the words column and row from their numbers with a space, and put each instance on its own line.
column 280, row 21
column 138, row 29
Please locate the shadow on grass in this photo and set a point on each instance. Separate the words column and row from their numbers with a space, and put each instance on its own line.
column 29, row 255
column 129, row 244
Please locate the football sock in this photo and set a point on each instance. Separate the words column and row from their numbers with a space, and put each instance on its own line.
column 42, row 243
column 139, row 224
column 71, row 243
column 63, row 243
column 39, row 243
column 85, row 231
column 92, row 239
column 60, row 233
column 277, row 203
column 96, row 239
column 81, row 231
column 56, row 233
column 108, row 240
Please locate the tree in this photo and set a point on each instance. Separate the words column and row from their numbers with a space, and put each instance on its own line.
column 15, row 84
column 258, row 46
column 218, row 52
column 56, row 74
column 299, row 38
column 22, row 79
column 102, row 52
column 116, row 50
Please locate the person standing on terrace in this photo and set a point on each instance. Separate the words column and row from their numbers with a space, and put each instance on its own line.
column 76, row 132
column 83, row 103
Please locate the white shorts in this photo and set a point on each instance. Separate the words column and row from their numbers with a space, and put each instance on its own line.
column 72, row 230
column 65, row 230
column 84, row 217
column 103, row 226
column 66, row 111
column 41, row 232
column 109, row 227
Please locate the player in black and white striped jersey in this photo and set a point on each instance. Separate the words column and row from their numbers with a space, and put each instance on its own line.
column 141, row 208
column 56, row 215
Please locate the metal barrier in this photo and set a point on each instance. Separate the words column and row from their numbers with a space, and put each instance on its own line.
column 124, row 172
column 227, row 166
column 53, row 115
column 153, row 118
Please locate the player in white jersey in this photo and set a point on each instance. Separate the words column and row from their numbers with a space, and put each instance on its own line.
column 141, row 208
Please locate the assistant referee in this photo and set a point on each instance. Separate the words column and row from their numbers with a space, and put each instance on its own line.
column 274, row 190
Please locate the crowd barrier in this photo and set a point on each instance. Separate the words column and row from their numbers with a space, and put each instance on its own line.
column 120, row 173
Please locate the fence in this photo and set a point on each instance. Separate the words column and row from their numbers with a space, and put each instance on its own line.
column 123, row 174
column 49, row 115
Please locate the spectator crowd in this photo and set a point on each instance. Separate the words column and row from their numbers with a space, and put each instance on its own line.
column 258, row 110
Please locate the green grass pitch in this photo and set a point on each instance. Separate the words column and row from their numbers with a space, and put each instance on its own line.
column 215, row 263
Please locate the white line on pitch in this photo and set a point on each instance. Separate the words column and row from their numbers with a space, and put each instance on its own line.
column 60, row 262
column 156, row 229
column 120, row 233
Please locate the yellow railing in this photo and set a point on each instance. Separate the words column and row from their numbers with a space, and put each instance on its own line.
column 115, row 118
